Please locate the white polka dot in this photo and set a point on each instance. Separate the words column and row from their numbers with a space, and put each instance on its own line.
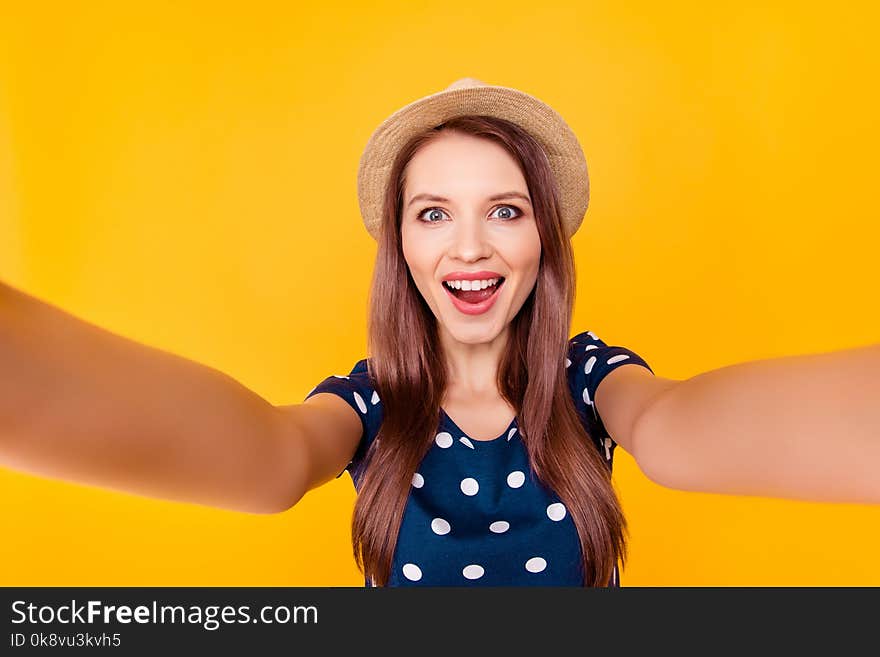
column 556, row 511
column 510, row 433
column 360, row 402
column 469, row 486
column 588, row 367
column 474, row 571
column 375, row 398
column 536, row 565
column 339, row 376
column 587, row 399
column 412, row 572
column 466, row 441
column 499, row 526
column 440, row 526
column 418, row 480
column 516, row 479
column 617, row 359
column 592, row 335
column 443, row 439
column 591, row 346
column 567, row 362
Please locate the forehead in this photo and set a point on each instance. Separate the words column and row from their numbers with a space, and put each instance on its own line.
column 456, row 163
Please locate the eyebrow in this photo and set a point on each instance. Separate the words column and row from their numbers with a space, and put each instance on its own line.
column 441, row 199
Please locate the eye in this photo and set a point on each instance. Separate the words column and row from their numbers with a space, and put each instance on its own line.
column 519, row 212
column 421, row 214
column 506, row 217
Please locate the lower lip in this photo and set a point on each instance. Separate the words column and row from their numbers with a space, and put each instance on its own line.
column 475, row 308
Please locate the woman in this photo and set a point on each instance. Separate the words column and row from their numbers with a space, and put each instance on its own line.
column 479, row 436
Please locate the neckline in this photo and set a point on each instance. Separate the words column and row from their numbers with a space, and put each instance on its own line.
column 477, row 440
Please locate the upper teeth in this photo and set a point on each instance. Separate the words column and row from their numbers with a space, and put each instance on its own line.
column 472, row 285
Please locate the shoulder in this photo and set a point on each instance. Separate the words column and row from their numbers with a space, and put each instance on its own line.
column 590, row 361
column 613, row 384
column 357, row 386
column 358, row 390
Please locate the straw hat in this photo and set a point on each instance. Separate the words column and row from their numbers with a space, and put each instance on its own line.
column 470, row 96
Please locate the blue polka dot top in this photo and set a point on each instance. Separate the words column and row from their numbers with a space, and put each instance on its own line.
column 476, row 515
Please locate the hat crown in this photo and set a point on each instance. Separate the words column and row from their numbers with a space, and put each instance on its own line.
column 466, row 83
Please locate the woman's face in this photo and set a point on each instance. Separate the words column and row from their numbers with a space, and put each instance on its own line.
column 467, row 228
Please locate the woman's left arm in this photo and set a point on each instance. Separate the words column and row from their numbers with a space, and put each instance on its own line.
column 799, row 427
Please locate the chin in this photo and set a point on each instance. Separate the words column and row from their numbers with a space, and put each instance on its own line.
column 474, row 334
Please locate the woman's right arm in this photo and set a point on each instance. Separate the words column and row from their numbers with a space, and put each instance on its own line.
column 82, row 404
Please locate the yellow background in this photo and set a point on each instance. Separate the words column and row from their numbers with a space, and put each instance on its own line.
column 184, row 174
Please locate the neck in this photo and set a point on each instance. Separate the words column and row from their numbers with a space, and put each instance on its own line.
column 472, row 367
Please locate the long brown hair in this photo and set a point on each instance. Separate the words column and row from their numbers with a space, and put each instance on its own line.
column 408, row 369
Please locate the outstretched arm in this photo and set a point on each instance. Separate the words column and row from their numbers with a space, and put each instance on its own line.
column 82, row 404
column 798, row 427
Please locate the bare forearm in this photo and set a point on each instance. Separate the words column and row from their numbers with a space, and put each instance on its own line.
column 800, row 427
column 83, row 404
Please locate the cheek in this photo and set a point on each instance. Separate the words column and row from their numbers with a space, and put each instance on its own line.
column 525, row 253
column 418, row 258
column 410, row 255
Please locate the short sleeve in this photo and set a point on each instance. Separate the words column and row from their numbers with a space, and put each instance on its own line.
column 357, row 389
column 589, row 361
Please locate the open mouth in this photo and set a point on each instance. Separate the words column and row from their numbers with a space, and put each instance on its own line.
column 474, row 296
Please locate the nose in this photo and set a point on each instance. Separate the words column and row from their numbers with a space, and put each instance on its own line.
column 470, row 240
